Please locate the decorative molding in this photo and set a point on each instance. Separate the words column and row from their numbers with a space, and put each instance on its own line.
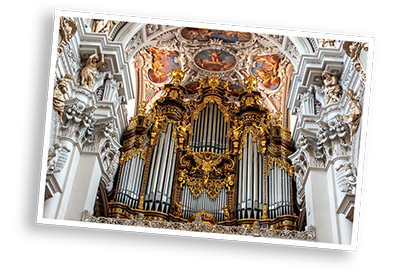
column 199, row 226
column 52, row 186
column 347, row 206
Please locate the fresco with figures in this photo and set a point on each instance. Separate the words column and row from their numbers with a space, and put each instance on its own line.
column 164, row 62
column 215, row 60
column 266, row 68
column 202, row 34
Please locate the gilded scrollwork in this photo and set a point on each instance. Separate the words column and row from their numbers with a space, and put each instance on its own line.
column 206, row 162
column 227, row 213
column 250, row 83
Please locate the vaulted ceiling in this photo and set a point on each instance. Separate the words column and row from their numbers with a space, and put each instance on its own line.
column 155, row 50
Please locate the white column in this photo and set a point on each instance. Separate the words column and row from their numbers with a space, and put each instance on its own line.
column 318, row 205
column 53, row 205
column 84, row 187
column 342, row 228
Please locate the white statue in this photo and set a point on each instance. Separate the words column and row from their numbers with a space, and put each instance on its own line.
column 111, row 88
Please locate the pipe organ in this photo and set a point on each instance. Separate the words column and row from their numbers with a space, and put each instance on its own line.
column 219, row 155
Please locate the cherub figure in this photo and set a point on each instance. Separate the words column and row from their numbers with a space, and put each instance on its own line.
column 89, row 70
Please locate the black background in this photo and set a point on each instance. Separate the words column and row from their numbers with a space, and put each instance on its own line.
column 48, row 248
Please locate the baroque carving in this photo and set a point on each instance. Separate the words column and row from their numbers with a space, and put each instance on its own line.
column 353, row 50
column 60, row 90
column 100, row 26
column 57, row 156
column 353, row 119
column 331, row 87
column 199, row 225
column 347, row 177
column 68, row 28
column 89, row 70
column 326, row 43
column 334, row 138
column 111, row 87
column 309, row 147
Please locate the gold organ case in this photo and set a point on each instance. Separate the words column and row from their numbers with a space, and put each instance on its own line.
column 218, row 154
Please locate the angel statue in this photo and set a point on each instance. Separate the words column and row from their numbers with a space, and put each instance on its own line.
column 183, row 130
column 236, row 130
column 185, row 127
column 58, row 95
column 89, row 70
column 234, row 134
column 331, row 87
column 354, row 117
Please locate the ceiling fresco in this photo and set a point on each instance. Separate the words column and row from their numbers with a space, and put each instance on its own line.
column 200, row 53
column 163, row 63
column 266, row 69
column 201, row 34
column 215, row 60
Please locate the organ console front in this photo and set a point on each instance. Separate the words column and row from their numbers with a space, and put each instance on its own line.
column 217, row 155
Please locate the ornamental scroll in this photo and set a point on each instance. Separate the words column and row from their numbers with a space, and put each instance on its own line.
column 210, row 173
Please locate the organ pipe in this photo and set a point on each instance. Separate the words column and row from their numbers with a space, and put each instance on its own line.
column 223, row 160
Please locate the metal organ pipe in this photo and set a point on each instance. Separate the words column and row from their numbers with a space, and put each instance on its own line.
column 129, row 193
column 256, row 181
column 121, row 181
column 130, row 180
column 163, row 165
column 209, row 130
